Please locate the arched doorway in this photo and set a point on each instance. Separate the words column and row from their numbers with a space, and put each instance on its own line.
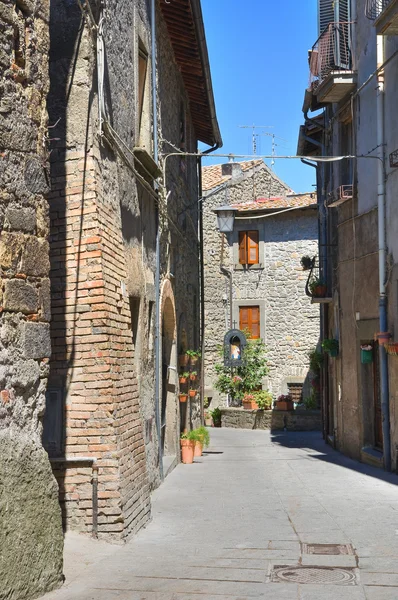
column 169, row 404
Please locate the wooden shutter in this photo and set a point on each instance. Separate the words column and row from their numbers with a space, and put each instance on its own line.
column 252, row 248
column 249, row 318
column 243, row 247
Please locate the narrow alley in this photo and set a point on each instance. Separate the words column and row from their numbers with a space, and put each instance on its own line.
column 254, row 502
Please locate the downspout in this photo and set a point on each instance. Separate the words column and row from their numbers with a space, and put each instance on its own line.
column 202, row 282
column 381, row 198
column 158, row 233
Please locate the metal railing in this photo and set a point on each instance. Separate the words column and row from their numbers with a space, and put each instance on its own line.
column 331, row 52
column 374, row 8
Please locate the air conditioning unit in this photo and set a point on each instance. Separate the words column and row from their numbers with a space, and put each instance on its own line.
column 339, row 196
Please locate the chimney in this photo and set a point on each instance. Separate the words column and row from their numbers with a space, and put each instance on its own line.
column 233, row 169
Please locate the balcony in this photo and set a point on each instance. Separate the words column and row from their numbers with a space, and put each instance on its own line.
column 331, row 73
column 385, row 15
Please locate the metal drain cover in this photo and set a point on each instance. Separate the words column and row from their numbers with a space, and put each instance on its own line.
column 328, row 549
column 310, row 574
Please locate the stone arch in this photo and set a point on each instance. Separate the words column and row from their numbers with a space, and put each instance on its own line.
column 169, row 374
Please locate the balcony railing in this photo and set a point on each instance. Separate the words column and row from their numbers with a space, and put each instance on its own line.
column 374, row 8
column 331, row 52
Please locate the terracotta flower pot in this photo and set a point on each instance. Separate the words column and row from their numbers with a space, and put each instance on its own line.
column 187, row 451
column 192, row 393
column 209, row 422
column 249, row 404
column 192, row 377
column 198, row 449
column 183, row 397
column 383, row 337
column 194, row 360
column 183, row 380
column 284, row 405
column 183, row 360
column 319, row 291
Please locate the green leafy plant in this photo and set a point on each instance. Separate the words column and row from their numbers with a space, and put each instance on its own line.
column 203, row 436
column 192, row 435
column 306, row 262
column 316, row 360
column 311, row 402
column 193, row 375
column 247, row 378
column 264, row 399
column 330, row 346
column 194, row 353
column 284, row 398
column 216, row 415
column 206, row 402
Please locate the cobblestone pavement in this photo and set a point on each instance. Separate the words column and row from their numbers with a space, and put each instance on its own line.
column 237, row 523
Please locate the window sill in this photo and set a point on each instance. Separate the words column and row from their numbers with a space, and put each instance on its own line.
column 256, row 267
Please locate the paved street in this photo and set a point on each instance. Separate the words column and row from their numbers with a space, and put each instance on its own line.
column 254, row 502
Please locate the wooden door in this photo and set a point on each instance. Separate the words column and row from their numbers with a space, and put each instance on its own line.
column 249, row 319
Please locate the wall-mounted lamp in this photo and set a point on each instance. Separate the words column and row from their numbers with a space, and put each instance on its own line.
column 225, row 218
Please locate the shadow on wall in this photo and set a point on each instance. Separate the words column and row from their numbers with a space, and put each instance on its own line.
column 66, row 230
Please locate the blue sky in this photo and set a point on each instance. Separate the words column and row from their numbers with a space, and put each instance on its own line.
column 258, row 57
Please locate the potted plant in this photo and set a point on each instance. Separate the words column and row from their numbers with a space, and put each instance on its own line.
column 183, row 359
column 208, row 419
column 184, row 378
column 263, row 399
column 249, row 402
column 183, row 397
column 194, row 356
column 193, row 375
column 306, row 262
column 331, row 347
column 187, row 442
column 216, row 416
column 318, row 288
column 366, row 354
column 192, row 393
column 284, row 402
column 202, row 440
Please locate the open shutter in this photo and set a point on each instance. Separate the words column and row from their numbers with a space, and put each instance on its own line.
column 252, row 248
column 255, row 324
column 242, row 247
column 243, row 318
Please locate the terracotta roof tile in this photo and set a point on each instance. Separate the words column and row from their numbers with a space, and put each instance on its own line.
column 212, row 175
column 289, row 201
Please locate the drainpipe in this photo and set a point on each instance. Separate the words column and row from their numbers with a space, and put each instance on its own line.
column 381, row 197
column 158, row 233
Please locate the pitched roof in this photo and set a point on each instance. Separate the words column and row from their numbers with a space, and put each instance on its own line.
column 278, row 202
column 212, row 175
column 184, row 22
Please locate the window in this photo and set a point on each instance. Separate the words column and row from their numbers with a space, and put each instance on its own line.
column 142, row 71
column 249, row 319
column 248, row 248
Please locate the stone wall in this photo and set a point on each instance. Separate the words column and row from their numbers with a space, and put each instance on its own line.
column 277, row 420
column 289, row 323
column 30, row 519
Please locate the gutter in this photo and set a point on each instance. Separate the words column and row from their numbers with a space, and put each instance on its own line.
column 204, row 56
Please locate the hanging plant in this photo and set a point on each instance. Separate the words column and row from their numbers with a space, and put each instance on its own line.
column 331, row 347
column 307, row 263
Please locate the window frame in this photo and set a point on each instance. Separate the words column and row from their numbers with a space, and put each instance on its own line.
column 142, row 76
column 250, row 320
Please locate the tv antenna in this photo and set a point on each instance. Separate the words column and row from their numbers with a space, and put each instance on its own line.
column 256, row 135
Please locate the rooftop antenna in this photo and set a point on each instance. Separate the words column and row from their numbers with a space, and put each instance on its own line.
column 256, row 135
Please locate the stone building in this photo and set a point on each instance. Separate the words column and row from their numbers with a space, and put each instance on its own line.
column 124, row 248
column 357, row 93
column 31, row 540
column 258, row 265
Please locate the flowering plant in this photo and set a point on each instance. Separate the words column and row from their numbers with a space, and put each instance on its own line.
column 284, row 398
column 237, row 379
column 249, row 398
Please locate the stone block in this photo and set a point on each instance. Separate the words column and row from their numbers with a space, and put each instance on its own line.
column 35, row 177
column 20, row 296
column 21, row 219
column 31, row 539
column 26, row 374
column 45, row 299
column 10, row 249
column 35, row 257
column 36, row 340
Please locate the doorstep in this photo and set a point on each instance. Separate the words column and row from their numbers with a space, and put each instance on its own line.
column 372, row 457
